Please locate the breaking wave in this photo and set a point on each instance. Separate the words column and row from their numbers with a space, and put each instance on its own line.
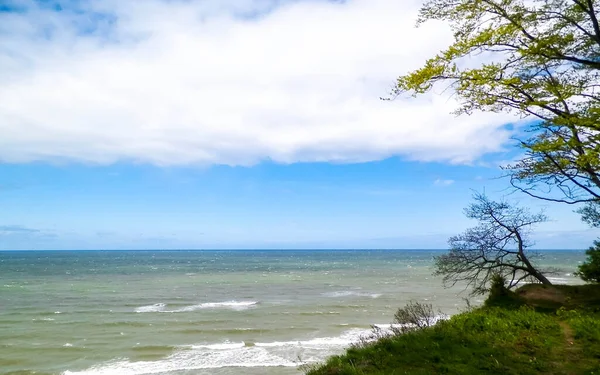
column 232, row 354
column 231, row 305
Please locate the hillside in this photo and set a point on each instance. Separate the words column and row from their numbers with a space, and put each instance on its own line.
column 535, row 330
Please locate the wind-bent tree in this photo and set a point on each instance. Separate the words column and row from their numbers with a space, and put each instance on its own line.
column 496, row 246
column 539, row 59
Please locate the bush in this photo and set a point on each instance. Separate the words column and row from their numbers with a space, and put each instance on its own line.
column 414, row 315
column 590, row 269
column 501, row 296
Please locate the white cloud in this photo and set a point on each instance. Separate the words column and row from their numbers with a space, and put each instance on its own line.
column 183, row 82
column 442, row 182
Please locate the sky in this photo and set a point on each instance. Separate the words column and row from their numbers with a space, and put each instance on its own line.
column 195, row 124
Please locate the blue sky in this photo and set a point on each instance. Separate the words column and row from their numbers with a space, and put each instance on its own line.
column 237, row 124
column 389, row 204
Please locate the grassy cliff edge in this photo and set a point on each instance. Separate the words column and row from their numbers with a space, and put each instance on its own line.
column 534, row 330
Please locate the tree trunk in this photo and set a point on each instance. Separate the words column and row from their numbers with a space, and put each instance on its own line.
column 534, row 272
column 543, row 279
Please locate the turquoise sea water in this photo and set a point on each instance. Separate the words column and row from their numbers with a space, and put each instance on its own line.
column 207, row 312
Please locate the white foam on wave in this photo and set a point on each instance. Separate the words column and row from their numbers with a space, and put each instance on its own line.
column 192, row 359
column 345, row 339
column 231, row 305
column 223, row 346
column 157, row 307
column 233, row 354
column 241, row 354
column 558, row 280
column 350, row 293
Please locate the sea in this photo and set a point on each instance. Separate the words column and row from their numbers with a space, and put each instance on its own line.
column 209, row 312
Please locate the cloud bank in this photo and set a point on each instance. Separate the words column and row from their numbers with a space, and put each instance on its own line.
column 225, row 82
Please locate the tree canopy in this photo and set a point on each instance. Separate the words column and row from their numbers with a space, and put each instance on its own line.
column 497, row 246
column 539, row 59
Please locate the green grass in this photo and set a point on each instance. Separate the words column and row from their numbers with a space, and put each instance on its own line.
column 509, row 335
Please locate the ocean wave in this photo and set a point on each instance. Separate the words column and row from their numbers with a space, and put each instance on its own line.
column 345, row 339
column 558, row 280
column 224, row 331
column 231, row 305
column 350, row 293
column 313, row 313
column 123, row 323
column 157, row 307
column 153, row 348
column 223, row 346
column 189, row 360
column 232, row 354
column 241, row 354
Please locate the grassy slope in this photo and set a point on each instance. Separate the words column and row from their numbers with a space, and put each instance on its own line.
column 515, row 333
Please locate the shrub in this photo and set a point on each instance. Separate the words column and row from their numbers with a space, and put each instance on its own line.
column 500, row 295
column 590, row 269
column 414, row 315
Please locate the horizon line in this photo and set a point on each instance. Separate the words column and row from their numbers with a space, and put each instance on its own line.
column 271, row 249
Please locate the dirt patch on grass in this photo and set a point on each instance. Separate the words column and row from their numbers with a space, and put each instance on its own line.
column 568, row 333
column 542, row 293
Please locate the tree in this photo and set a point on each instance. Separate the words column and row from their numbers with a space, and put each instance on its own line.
column 590, row 269
column 538, row 59
column 497, row 246
column 591, row 214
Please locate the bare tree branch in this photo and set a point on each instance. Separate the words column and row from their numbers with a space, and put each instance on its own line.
column 496, row 246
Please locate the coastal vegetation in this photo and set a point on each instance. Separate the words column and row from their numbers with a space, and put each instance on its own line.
column 590, row 269
column 496, row 246
column 538, row 60
column 536, row 329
